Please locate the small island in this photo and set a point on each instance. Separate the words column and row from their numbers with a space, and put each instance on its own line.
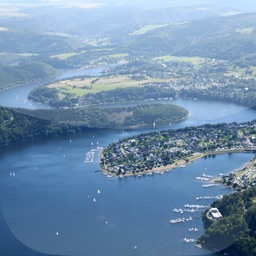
column 159, row 151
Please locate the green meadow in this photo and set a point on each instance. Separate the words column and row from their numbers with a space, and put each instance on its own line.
column 147, row 28
column 194, row 60
column 64, row 56
column 245, row 31
column 83, row 86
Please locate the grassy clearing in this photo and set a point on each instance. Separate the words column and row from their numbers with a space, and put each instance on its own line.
column 194, row 60
column 249, row 166
column 3, row 29
column 230, row 13
column 245, row 31
column 242, row 72
column 147, row 28
column 102, row 49
column 83, row 86
column 116, row 56
column 253, row 70
column 64, row 56
column 27, row 54
column 58, row 34
column 99, row 42
column 12, row 13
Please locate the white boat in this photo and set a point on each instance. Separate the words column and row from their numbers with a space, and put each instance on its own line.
column 94, row 199
column 98, row 191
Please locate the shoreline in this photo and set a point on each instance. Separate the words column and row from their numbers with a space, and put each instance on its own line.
column 177, row 164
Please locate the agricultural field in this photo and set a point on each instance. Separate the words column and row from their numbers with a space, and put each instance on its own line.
column 193, row 60
column 99, row 42
column 64, row 56
column 27, row 54
column 116, row 56
column 245, row 31
column 245, row 73
column 83, row 86
column 229, row 13
column 147, row 28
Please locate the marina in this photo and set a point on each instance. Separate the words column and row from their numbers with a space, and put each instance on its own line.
column 209, row 197
column 210, row 185
column 78, row 181
column 180, row 220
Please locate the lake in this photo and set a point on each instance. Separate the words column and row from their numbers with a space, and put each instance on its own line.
column 53, row 190
column 17, row 96
column 54, row 203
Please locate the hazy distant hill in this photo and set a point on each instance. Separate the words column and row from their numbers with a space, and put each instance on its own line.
column 230, row 38
column 116, row 16
column 26, row 41
column 91, row 23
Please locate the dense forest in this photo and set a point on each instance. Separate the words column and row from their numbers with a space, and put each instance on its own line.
column 235, row 232
column 23, row 124
column 25, row 73
column 17, row 127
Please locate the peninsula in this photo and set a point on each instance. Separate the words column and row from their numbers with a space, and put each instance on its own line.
column 159, row 151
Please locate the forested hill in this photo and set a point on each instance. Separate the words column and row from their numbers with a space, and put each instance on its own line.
column 24, row 73
column 23, row 124
column 15, row 126
column 22, row 41
column 230, row 38
column 235, row 232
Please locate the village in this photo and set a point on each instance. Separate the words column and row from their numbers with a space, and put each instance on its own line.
column 195, row 78
column 162, row 151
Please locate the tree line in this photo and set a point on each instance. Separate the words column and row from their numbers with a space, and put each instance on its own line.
column 235, row 232
column 18, row 124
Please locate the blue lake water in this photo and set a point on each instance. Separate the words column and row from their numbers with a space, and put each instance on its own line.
column 48, row 206
column 17, row 96
column 53, row 190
